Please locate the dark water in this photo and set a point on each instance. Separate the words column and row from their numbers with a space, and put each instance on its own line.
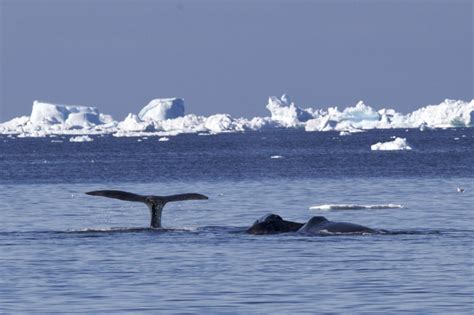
column 236, row 157
column 65, row 252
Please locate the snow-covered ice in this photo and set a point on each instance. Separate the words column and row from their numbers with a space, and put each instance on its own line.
column 395, row 145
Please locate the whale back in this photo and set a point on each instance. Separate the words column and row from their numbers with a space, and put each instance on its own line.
column 321, row 224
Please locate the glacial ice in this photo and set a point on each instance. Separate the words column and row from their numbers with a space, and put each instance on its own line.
column 395, row 145
column 165, row 117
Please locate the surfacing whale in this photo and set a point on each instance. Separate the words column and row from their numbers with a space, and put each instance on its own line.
column 154, row 203
column 318, row 225
column 274, row 224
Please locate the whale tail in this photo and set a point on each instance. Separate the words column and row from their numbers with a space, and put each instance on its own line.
column 154, row 203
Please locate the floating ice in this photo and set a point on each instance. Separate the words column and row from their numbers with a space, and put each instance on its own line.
column 328, row 207
column 81, row 139
column 164, row 139
column 165, row 117
column 397, row 144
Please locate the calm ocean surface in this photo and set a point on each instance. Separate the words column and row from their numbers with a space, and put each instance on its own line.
column 62, row 251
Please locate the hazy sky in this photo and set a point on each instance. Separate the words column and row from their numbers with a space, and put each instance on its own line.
column 229, row 56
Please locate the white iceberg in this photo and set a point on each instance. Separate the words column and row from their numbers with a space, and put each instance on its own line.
column 449, row 113
column 395, row 145
column 286, row 113
column 162, row 109
column 47, row 119
column 68, row 115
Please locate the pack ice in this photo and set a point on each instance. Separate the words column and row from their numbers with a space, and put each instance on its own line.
column 166, row 117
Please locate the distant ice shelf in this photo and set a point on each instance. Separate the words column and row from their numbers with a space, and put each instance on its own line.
column 166, row 117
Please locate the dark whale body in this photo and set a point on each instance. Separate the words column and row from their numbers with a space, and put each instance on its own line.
column 274, row 224
column 318, row 225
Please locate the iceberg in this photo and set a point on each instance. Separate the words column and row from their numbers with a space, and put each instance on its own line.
column 395, row 145
column 351, row 119
column 286, row 113
column 162, row 109
column 449, row 113
column 68, row 115
column 47, row 119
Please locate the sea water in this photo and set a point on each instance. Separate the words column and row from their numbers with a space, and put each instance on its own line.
column 62, row 251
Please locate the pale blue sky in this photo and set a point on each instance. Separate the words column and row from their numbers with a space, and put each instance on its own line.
column 229, row 56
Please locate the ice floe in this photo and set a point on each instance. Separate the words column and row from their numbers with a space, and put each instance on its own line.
column 166, row 117
column 81, row 139
column 328, row 207
column 395, row 145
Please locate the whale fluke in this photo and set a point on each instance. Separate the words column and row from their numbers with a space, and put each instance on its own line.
column 154, row 203
column 181, row 197
column 117, row 194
